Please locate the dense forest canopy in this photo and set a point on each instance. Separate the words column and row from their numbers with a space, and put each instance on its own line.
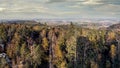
column 64, row 46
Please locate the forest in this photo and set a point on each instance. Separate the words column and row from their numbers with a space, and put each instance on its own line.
column 63, row 46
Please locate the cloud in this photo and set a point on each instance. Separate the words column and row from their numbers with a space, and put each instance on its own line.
column 59, row 1
column 108, row 8
column 2, row 9
column 85, row 2
column 21, row 6
column 27, row 9
column 117, row 2
column 53, row 1
column 92, row 2
column 56, row 8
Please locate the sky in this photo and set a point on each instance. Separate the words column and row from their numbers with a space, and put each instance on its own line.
column 36, row 9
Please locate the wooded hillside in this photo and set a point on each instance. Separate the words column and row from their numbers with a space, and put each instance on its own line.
column 43, row 46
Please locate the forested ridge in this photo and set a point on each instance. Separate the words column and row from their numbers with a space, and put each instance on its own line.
column 63, row 46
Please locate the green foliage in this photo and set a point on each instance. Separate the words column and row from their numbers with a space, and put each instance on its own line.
column 2, row 62
column 3, row 33
column 23, row 50
column 37, row 57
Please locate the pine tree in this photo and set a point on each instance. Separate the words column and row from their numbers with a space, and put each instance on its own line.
column 37, row 57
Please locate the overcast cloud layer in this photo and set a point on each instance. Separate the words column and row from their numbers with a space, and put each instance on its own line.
column 29, row 9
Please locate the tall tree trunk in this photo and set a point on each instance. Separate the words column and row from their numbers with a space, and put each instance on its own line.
column 50, row 52
column 118, row 50
column 52, row 56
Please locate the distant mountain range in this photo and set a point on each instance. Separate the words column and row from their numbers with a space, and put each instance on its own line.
column 115, row 27
column 83, row 22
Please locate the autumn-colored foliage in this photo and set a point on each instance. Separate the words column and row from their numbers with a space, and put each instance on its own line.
column 43, row 46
